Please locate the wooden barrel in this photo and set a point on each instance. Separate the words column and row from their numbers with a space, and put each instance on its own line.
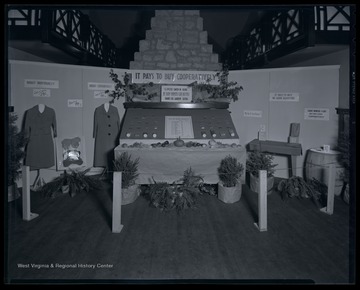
column 316, row 166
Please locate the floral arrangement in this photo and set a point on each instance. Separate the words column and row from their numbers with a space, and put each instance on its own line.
column 178, row 195
column 76, row 180
column 296, row 186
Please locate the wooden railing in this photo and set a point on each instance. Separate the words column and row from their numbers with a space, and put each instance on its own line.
column 285, row 31
column 67, row 29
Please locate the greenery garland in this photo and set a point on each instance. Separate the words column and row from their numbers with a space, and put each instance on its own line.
column 126, row 89
column 224, row 90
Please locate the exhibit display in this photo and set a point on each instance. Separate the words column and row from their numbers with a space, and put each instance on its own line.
column 168, row 138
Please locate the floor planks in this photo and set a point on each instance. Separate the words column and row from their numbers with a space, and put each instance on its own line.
column 214, row 241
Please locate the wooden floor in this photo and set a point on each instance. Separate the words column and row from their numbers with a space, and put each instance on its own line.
column 216, row 242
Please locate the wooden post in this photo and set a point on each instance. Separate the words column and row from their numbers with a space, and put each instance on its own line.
column 26, row 199
column 329, row 209
column 262, row 202
column 294, row 138
column 116, row 209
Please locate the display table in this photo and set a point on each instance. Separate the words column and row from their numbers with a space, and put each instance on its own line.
column 276, row 147
column 169, row 163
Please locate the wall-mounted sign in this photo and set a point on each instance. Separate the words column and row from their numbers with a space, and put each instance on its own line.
column 284, row 97
column 318, row 114
column 181, row 94
column 101, row 86
column 75, row 103
column 41, row 84
column 100, row 95
column 250, row 113
column 174, row 77
column 41, row 93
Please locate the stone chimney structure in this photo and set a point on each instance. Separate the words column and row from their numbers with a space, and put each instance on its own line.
column 176, row 41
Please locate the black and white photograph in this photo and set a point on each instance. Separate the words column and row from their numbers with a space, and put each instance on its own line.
column 180, row 144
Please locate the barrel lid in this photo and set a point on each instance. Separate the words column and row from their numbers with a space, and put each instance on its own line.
column 320, row 150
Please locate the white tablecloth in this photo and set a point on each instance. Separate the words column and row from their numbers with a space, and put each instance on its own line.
column 168, row 164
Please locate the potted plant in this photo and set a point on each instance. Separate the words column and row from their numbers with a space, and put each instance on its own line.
column 225, row 91
column 230, row 187
column 260, row 161
column 129, row 168
column 15, row 153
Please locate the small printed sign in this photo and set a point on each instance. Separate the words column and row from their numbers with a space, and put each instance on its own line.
column 250, row 113
column 318, row 114
column 75, row 103
column 100, row 95
column 41, row 93
column 101, row 86
column 41, row 84
column 181, row 94
column 284, row 97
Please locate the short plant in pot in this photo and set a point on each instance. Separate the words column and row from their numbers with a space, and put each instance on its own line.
column 230, row 187
column 260, row 161
column 15, row 152
column 129, row 168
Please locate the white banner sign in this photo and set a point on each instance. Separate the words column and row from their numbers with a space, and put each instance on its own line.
column 256, row 114
column 101, row 86
column 181, row 94
column 75, row 103
column 316, row 114
column 100, row 95
column 174, row 77
column 41, row 93
column 41, row 84
column 284, row 97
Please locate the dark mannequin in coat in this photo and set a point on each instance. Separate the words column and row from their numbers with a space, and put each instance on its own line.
column 39, row 120
column 106, row 134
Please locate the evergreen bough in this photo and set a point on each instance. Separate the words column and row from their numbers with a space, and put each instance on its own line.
column 16, row 143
